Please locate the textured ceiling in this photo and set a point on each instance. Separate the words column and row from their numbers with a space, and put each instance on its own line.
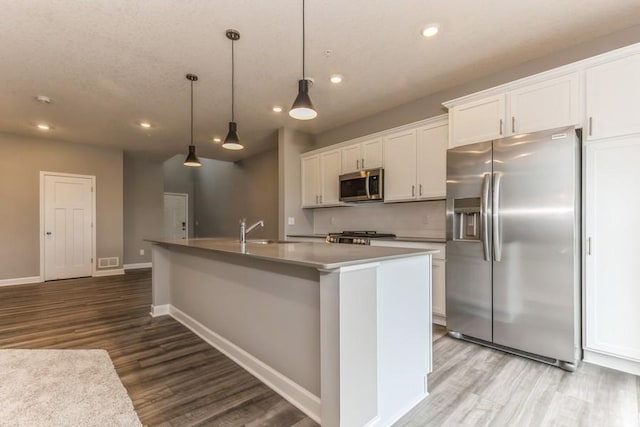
column 109, row 64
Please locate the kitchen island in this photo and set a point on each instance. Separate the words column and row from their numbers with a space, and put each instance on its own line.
column 341, row 331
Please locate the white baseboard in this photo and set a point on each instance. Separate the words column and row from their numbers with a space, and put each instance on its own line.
column 137, row 265
column 160, row 310
column 111, row 272
column 21, row 281
column 612, row 362
column 301, row 398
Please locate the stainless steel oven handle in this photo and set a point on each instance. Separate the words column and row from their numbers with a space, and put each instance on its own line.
column 497, row 242
column 366, row 185
column 484, row 216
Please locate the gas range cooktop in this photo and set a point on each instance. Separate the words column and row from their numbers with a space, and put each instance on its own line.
column 356, row 237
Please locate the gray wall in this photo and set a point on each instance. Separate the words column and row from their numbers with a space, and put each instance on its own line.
column 21, row 161
column 143, row 206
column 260, row 175
column 431, row 105
column 218, row 186
column 290, row 145
column 222, row 193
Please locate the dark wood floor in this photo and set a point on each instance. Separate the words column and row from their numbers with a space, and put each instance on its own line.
column 173, row 377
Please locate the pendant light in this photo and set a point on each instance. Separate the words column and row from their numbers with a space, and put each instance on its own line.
column 302, row 108
column 192, row 160
column 232, row 142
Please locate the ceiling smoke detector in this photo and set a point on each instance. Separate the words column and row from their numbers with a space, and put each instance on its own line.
column 43, row 99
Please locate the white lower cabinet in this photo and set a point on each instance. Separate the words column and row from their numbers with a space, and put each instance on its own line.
column 438, row 265
column 612, row 254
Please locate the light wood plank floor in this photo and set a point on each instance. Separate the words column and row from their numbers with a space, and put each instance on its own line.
column 476, row 386
column 176, row 379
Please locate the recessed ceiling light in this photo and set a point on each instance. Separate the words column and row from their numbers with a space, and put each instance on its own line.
column 336, row 78
column 277, row 109
column 43, row 126
column 145, row 125
column 216, row 139
column 431, row 30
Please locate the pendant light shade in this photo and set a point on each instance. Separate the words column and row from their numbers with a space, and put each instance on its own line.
column 232, row 141
column 192, row 160
column 302, row 108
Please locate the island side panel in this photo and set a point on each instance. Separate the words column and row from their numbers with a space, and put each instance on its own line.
column 349, row 346
column 160, row 280
column 404, row 334
column 270, row 310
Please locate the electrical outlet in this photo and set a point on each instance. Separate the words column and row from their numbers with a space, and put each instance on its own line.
column 291, row 220
column 141, row 251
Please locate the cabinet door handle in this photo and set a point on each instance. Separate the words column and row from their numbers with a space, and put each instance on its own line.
column 317, row 199
column 589, row 246
column 590, row 126
column 513, row 124
column 500, row 126
column 420, row 190
column 320, row 198
column 413, row 191
column 357, row 164
column 362, row 162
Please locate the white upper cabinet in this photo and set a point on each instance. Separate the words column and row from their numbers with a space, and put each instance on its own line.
column 310, row 181
column 320, row 185
column 546, row 105
column 363, row 155
column 613, row 98
column 477, row 121
column 432, row 161
column 372, row 154
column 400, row 165
column 330, row 167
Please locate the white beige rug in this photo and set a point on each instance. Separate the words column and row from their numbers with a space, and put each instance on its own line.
column 62, row 388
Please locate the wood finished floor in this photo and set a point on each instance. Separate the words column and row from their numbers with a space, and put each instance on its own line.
column 172, row 376
column 176, row 379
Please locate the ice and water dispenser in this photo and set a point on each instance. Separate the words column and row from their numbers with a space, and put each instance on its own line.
column 466, row 219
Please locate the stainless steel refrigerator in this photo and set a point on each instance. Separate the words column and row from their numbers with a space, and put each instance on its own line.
column 513, row 245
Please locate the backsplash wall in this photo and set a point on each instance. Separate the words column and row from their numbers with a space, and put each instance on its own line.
column 414, row 219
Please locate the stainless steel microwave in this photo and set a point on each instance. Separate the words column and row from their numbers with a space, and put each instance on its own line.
column 362, row 186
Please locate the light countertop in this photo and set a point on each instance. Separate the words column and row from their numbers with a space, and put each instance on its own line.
column 317, row 255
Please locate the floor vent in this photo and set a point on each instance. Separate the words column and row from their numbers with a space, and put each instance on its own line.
column 113, row 261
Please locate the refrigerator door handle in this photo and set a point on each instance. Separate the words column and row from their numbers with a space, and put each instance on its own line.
column 497, row 241
column 484, row 216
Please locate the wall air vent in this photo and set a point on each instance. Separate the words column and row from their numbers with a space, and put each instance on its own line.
column 108, row 262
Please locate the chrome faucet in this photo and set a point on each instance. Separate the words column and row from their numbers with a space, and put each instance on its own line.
column 244, row 230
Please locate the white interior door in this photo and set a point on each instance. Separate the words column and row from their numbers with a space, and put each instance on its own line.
column 175, row 215
column 68, row 217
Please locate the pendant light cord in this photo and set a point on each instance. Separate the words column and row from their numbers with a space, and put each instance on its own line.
column 232, row 82
column 191, row 112
column 303, row 42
